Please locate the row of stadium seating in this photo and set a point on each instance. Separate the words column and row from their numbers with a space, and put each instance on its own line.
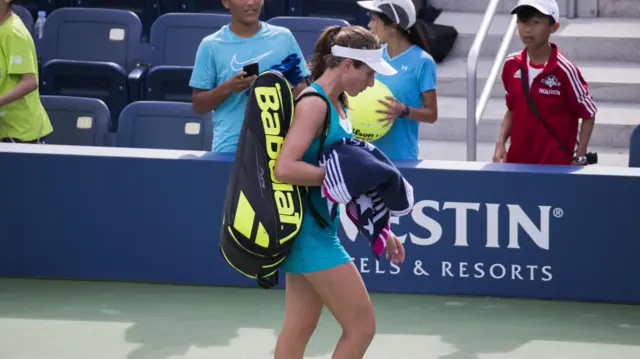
column 79, row 121
column 149, row 10
column 98, row 53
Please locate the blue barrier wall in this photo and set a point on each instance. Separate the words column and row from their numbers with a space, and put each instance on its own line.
column 477, row 229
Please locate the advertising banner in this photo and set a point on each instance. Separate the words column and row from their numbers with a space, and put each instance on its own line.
column 511, row 234
column 475, row 229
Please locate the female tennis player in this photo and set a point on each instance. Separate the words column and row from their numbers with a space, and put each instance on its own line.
column 414, row 87
column 319, row 271
column 22, row 116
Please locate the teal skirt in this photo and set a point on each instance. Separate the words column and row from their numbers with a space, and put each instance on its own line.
column 315, row 248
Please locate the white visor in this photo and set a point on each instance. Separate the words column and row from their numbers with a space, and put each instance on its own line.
column 373, row 58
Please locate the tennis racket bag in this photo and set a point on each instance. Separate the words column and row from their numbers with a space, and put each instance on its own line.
column 262, row 216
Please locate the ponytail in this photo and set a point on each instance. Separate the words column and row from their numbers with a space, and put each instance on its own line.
column 350, row 36
column 322, row 50
column 417, row 35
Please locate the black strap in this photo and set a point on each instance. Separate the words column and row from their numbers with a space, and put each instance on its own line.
column 534, row 109
column 323, row 136
column 268, row 282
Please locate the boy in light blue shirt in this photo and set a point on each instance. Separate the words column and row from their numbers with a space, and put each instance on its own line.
column 218, row 79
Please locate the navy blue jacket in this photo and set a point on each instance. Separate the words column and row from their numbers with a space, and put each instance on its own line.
column 363, row 178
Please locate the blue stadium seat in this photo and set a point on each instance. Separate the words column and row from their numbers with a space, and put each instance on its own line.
column 634, row 148
column 25, row 16
column 168, row 83
column 81, row 48
column 77, row 121
column 175, row 37
column 339, row 9
column 147, row 10
column 306, row 30
column 164, row 125
column 174, row 41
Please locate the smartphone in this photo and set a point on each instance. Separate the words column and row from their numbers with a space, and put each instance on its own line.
column 251, row 69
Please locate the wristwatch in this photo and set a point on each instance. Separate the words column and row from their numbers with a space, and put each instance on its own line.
column 582, row 160
column 405, row 112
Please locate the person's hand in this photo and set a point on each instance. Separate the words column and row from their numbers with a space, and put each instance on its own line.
column 239, row 83
column 395, row 249
column 393, row 111
column 500, row 154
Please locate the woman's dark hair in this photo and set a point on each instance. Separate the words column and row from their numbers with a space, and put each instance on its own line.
column 355, row 37
column 417, row 34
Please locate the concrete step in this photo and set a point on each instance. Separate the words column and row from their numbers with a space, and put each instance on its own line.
column 584, row 8
column 601, row 39
column 608, row 81
column 619, row 8
column 457, row 151
column 504, row 7
column 614, row 123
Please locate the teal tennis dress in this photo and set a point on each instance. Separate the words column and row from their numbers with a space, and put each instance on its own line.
column 316, row 248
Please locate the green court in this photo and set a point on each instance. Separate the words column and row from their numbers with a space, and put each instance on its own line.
column 46, row 319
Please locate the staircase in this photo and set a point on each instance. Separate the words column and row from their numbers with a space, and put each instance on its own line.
column 604, row 42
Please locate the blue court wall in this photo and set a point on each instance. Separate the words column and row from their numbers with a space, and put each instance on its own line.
column 550, row 232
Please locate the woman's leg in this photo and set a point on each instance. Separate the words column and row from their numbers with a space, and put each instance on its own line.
column 302, row 312
column 344, row 293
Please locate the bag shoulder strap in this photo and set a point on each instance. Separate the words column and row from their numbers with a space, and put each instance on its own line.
column 534, row 109
column 327, row 119
column 323, row 136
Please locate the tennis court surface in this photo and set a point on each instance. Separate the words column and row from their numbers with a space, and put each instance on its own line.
column 46, row 319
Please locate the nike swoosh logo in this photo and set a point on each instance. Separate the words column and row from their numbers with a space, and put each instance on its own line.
column 237, row 66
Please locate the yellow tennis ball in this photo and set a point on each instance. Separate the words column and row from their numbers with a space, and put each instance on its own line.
column 362, row 112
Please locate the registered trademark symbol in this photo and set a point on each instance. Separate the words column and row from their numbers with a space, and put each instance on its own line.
column 558, row 212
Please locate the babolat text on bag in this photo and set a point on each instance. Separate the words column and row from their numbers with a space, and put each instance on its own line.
column 261, row 216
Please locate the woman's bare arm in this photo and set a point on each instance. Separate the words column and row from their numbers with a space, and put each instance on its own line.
column 307, row 121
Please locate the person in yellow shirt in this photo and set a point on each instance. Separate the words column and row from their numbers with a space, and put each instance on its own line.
column 23, row 119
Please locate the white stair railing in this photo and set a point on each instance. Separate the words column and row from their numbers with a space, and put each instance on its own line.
column 472, row 78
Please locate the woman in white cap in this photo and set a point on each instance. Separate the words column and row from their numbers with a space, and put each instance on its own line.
column 23, row 119
column 414, row 87
column 318, row 269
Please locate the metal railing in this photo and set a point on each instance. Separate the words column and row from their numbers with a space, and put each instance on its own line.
column 472, row 78
column 572, row 9
column 475, row 106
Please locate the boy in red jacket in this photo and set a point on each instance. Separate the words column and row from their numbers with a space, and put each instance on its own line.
column 543, row 126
